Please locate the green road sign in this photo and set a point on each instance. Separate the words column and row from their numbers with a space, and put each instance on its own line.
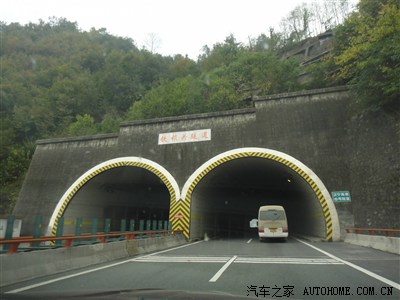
column 341, row 196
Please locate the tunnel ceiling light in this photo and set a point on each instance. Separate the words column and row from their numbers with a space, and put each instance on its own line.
column 289, row 180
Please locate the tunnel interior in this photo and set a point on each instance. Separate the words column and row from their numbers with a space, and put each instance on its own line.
column 229, row 196
column 129, row 193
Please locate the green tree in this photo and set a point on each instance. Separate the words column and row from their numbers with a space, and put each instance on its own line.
column 221, row 95
column 110, row 122
column 172, row 98
column 222, row 54
column 182, row 66
column 84, row 125
column 296, row 26
column 12, row 170
column 367, row 52
column 261, row 73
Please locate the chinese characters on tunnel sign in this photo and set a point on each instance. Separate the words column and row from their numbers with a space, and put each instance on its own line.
column 184, row 137
column 341, row 196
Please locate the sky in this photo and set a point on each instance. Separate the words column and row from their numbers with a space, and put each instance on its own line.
column 179, row 26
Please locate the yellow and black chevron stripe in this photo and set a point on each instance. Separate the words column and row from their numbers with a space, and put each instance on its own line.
column 322, row 200
column 105, row 168
column 179, row 215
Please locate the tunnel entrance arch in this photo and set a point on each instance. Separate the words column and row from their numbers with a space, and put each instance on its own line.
column 328, row 215
column 136, row 162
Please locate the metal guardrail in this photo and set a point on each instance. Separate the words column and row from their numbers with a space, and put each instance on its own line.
column 13, row 244
column 374, row 231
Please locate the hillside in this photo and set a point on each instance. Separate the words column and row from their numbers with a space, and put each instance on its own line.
column 57, row 80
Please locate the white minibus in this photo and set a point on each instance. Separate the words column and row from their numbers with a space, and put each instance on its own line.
column 272, row 222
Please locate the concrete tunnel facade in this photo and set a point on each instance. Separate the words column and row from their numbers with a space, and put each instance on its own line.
column 290, row 149
column 309, row 206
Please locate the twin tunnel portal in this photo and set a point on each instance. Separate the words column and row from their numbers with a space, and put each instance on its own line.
column 219, row 198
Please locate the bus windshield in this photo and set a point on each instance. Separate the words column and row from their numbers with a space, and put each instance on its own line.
column 272, row 215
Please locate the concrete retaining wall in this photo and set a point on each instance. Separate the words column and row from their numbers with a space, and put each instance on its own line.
column 28, row 265
column 387, row 244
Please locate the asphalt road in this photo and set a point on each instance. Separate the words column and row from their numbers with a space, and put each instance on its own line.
column 294, row 269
